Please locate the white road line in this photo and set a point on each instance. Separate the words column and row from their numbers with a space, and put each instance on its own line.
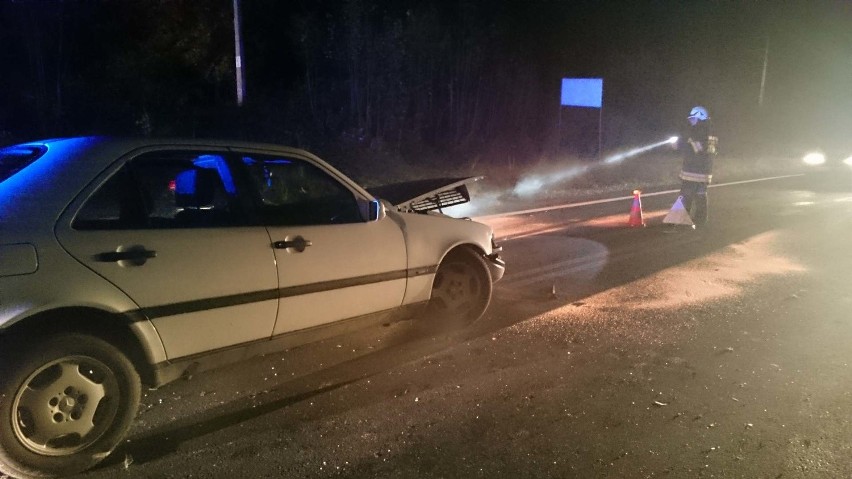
column 620, row 198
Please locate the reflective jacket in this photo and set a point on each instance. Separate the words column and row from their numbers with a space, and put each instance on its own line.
column 698, row 146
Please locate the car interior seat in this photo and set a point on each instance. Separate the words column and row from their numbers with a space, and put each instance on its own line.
column 201, row 198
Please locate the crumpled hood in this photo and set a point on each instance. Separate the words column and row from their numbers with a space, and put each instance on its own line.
column 426, row 195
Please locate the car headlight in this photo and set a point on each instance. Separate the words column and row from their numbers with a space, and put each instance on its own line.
column 813, row 159
column 848, row 161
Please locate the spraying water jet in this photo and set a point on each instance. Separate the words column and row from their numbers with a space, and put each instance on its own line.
column 619, row 157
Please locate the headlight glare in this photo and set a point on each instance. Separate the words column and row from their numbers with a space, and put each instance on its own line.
column 815, row 158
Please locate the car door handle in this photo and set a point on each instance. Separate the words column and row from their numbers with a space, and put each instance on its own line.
column 298, row 243
column 136, row 256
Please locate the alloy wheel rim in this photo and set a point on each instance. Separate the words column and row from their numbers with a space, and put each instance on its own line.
column 457, row 288
column 65, row 406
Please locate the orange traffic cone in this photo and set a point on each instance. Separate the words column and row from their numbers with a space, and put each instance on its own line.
column 636, row 219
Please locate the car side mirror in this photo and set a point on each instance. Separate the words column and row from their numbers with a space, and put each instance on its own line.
column 377, row 210
column 372, row 209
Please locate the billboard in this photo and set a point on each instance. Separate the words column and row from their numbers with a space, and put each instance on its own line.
column 586, row 92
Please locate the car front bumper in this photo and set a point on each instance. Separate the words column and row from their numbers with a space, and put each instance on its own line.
column 496, row 265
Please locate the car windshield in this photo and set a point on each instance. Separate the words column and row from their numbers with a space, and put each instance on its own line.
column 15, row 158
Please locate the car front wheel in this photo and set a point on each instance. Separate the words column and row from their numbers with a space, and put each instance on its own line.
column 66, row 403
column 462, row 287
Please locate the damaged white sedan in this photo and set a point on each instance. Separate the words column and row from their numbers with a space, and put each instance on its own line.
column 130, row 262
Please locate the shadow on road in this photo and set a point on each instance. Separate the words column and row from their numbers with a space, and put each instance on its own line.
column 404, row 341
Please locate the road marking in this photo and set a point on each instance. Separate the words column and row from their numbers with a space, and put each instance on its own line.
column 620, row 198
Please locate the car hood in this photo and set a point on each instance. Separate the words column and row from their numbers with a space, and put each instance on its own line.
column 426, row 195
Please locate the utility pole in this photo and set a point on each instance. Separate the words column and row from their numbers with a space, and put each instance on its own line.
column 763, row 77
column 238, row 55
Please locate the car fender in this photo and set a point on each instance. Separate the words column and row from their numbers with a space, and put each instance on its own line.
column 88, row 290
column 429, row 238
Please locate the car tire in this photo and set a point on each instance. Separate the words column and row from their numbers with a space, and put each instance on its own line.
column 462, row 288
column 65, row 404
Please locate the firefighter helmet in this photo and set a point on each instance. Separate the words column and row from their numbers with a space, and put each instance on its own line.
column 699, row 113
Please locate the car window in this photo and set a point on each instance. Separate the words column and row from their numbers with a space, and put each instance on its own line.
column 164, row 190
column 294, row 192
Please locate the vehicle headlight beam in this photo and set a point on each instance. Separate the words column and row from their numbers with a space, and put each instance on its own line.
column 814, row 159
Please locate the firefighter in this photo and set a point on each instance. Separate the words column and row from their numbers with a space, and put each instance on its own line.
column 698, row 146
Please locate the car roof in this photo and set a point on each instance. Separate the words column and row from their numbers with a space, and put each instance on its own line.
column 132, row 143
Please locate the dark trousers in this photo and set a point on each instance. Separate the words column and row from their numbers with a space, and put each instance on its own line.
column 694, row 195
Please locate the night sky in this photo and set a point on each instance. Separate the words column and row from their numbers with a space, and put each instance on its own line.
column 438, row 73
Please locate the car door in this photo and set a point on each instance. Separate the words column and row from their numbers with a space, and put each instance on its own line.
column 333, row 263
column 167, row 228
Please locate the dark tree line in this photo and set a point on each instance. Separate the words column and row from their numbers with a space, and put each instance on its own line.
column 448, row 78
column 76, row 67
column 383, row 74
column 444, row 75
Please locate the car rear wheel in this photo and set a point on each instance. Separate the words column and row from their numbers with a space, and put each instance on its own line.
column 65, row 404
column 462, row 287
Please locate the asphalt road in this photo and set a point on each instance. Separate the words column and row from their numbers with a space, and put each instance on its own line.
column 607, row 352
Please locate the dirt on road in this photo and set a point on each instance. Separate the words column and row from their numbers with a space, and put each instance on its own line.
column 714, row 368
